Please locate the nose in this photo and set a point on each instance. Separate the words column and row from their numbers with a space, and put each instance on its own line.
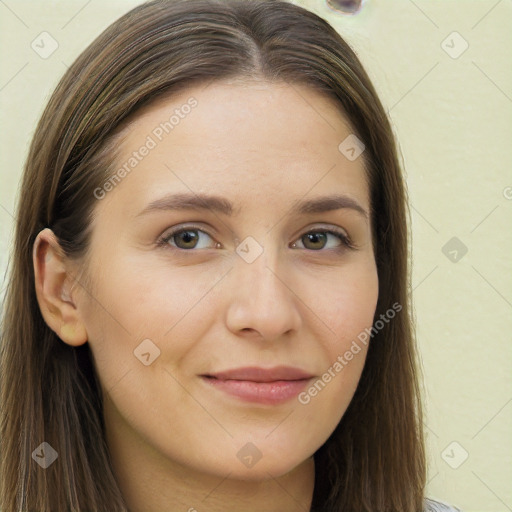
column 262, row 302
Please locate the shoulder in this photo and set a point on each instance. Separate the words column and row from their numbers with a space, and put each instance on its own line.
column 438, row 506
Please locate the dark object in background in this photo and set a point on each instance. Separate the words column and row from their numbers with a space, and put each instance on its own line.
column 345, row 6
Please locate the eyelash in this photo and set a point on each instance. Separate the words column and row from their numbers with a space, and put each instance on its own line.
column 345, row 240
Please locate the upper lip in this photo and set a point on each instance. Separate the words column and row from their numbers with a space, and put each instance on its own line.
column 256, row 374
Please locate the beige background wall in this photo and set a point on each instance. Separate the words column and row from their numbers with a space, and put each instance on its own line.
column 451, row 108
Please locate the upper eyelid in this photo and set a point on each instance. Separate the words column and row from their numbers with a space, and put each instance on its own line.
column 176, row 230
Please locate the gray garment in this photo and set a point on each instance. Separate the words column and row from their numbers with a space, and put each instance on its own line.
column 439, row 506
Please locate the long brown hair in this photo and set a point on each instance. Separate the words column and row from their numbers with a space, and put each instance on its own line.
column 374, row 460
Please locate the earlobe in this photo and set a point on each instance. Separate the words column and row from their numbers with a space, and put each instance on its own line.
column 53, row 283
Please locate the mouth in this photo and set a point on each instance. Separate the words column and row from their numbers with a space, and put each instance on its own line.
column 268, row 386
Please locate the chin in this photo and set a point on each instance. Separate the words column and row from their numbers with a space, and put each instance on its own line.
column 267, row 465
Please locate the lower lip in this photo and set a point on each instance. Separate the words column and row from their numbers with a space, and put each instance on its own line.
column 269, row 393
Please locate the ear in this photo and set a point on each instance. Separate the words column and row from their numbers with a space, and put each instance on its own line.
column 53, row 283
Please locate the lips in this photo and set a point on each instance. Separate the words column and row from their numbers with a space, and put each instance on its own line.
column 255, row 374
column 266, row 386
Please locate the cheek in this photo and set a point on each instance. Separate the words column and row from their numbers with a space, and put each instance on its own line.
column 134, row 303
column 348, row 303
column 347, row 307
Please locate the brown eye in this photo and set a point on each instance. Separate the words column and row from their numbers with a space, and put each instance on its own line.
column 314, row 240
column 320, row 239
column 187, row 238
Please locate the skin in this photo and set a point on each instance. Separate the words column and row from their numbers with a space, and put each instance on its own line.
column 174, row 440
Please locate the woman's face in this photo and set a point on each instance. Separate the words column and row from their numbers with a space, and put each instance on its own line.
column 223, row 287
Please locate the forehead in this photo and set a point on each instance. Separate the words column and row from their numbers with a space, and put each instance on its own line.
column 251, row 139
column 304, row 113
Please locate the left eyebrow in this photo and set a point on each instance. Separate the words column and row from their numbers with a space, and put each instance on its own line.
column 222, row 205
column 329, row 203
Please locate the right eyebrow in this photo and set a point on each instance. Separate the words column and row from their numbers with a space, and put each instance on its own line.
column 190, row 202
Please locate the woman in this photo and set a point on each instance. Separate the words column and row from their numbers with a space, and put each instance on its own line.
column 209, row 296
